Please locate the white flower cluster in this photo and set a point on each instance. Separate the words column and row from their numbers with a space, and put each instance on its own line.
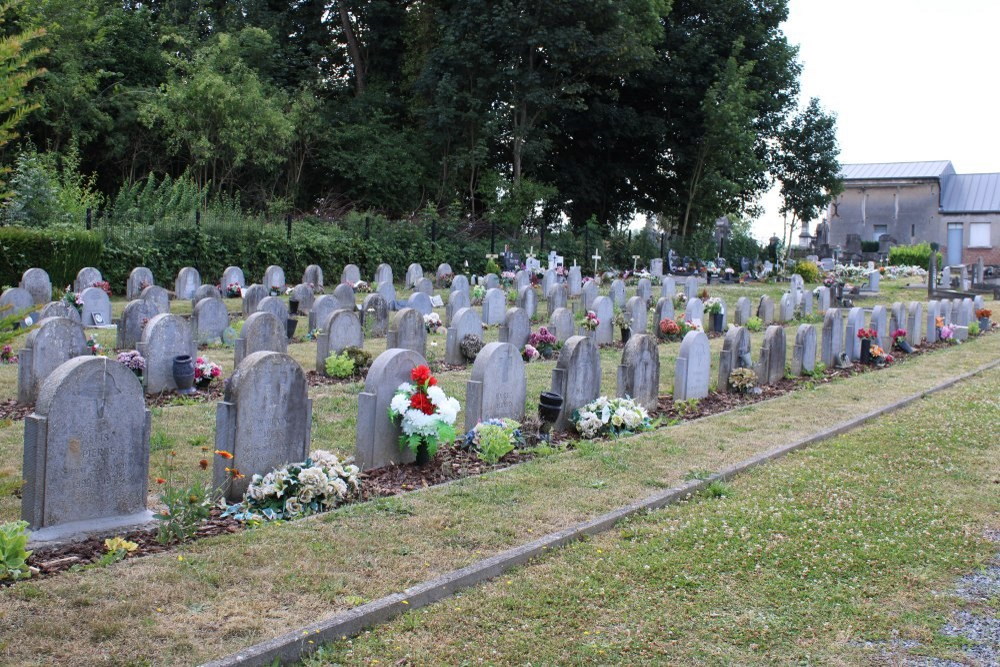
column 433, row 323
column 312, row 486
column 610, row 416
column 417, row 422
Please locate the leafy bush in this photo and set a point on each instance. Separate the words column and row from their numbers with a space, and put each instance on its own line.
column 362, row 358
column 61, row 253
column 494, row 438
column 808, row 270
column 913, row 255
column 755, row 324
column 340, row 365
column 973, row 328
column 13, row 556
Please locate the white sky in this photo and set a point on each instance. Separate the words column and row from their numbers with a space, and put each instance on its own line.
column 909, row 80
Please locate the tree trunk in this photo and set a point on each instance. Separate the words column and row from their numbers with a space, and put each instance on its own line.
column 353, row 48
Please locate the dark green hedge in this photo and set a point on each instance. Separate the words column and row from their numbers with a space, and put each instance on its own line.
column 60, row 253
column 913, row 255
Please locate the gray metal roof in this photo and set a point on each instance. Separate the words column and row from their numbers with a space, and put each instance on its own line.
column 894, row 170
column 971, row 193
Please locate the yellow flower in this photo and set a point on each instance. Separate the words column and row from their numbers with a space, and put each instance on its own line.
column 113, row 544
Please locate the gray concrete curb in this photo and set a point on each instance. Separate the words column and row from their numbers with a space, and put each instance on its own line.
column 291, row 646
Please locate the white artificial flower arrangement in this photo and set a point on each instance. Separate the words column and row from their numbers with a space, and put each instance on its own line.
column 611, row 416
column 426, row 414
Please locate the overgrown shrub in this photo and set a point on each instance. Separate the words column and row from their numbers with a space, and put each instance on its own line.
column 913, row 255
column 61, row 253
column 808, row 270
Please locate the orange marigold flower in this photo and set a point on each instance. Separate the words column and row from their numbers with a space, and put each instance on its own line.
column 224, row 454
column 204, row 464
column 160, row 480
column 235, row 473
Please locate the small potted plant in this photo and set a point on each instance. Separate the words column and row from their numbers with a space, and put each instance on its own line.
column 132, row 360
column 983, row 315
column 867, row 337
column 713, row 307
column 899, row 340
column 205, row 372
column 589, row 323
column 669, row 329
column 624, row 324
column 544, row 342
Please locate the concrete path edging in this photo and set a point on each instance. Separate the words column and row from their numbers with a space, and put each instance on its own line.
column 293, row 645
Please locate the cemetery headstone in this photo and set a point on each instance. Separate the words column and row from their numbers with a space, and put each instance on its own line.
column 414, row 272
column 17, row 300
column 420, row 302
column 37, row 283
column 557, row 297
column 516, row 328
column 639, row 371
column 164, row 337
column 275, row 306
column 305, row 295
column 644, row 290
column 656, row 266
column 407, row 332
column 576, row 377
column 60, row 309
column 694, row 311
column 771, row 366
column 465, row 322
column 914, row 321
column 691, row 287
column 824, row 299
column 321, row 309
column 443, row 271
column 86, row 277
column 880, row 323
column 383, row 274
column 456, row 301
column 252, row 296
column 588, row 293
column 313, row 276
column 262, row 332
column 233, row 275
column 426, row 286
column 53, row 342
column 604, row 309
column 832, row 343
column 786, row 308
column 387, row 291
column 765, row 309
column 635, row 307
column 933, row 311
column 693, row 368
column 274, row 279
column 460, row 284
column 527, row 300
column 205, row 292
column 742, row 312
column 377, row 436
column 209, row 320
column 375, row 315
column 341, row 330
column 494, row 306
column 562, row 324
column 548, row 280
column 188, row 280
column 855, row 323
column 343, row 294
column 735, row 354
column 139, row 279
column 804, row 353
column 351, row 274
column 96, row 307
column 669, row 287
column 134, row 318
column 498, row 386
column 492, row 281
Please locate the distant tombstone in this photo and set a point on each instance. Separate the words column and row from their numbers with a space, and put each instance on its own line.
column 460, row 284
column 383, row 274
column 313, row 276
column 786, row 308
column 134, row 318
column 693, row 368
column 274, row 279
column 669, row 287
column 805, row 304
column 656, row 266
column 527, row 300
column 264, row 420
column 639, row 371
column 832, row 343
column 664, row 310
column 897, row 316
column 618, row 293
column 827, row 264
column 209, row 320
column 516, row 328
column 17, row 300
column 188, row 280
column 880, row 323
column 694, row 310
column 86, row 451
column 914, row 320
column 164, row 337
column 946, row 277
column 966, row 313
column 456, row 301
column 933, row 311
column 604, row 309
column 978, row 303
column 376, row 435
column 420, row 302
column 36, row 282
column 465, row 322
column 252, row 296
column 575, row 281
column 804, row 352
column 426, row 286
column 233, row 275
column 855, row 323
column 797, row 284
column 771, row 365
column 945, row 307
column 735, row 354
column 644, row 290
column 522, row 279
column 305, row 295
column 262, row 332
column 873, row 282
column 86, row 277
column 563, row 325
column 494, row 306
column 765, row 309
column 96, row 307
column 60, row 309
column 205, row 292
column 498, row 386
column 576, row 377
column 492, row 281
column 548, row 280
column 343, row 294
column 691, row 287
column 443, row 271
column 387, row 291
column 351, row 274
column 557, row 297
column 635, row 309
column 53, row 342
column 374, row 315
column 139, row 279
column 588, row 293
column 341, row 330
column 824, row 299
column 275, row 306
column 742, row 312
column 321, row 309
column 414, row 272
column 407, row 331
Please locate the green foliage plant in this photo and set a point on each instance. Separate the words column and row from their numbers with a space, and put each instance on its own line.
column 913, row 255
column 808, row 270
column 755, row 324
column 13, row 555
column 339, row 365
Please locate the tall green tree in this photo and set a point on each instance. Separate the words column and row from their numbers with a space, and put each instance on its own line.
column 16, row 72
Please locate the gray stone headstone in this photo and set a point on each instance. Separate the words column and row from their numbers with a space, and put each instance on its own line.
column 691, row 287
column 562, row 324
column 742, row 312
column 53, row 342
column 587, row 294
column 209, row 319
column 188, row 280
column 460, row 284
column 656, row 266
column 322, row 307
column 305, row 295
column 498, row 386
column 86, row 451
column 557, row 297
column 425, row 285
column 771, row 366
column 897, row 316
column 797, row 284
column 60, row 309
column 341, row 330
column 387, row 291
column 693, row 368
column 933, row 312
column 466, row 321
column 804, row 353
column 313, row 277
column 664, row 310
column 377, row 436
column 134, row 318
column 576, row 377
column 617, row 293
column 694, row 311
column 95, row 302
column 252, row 296
column 37, row 283
column 604, row 309
column 786, row 308
column 274, row 279
column 575, row 281
column 914, row 320
column 978, row 303
column 824, row 299
column 165, row 336
column 264, row 421
column 736, row 353
column 420, row 302
column 855, row 323
column 874, row 277
column 765, row 309
column 806, row 303
column 966, row 313
column 383, row 274
column 516, row 328
column 644, row 290
column 205, row 292
column 492, row 281
column 549, row 279
column 669, row 287
column 443, row 270
column 233, row 275
column 344, row 295
column 262, row 332
column 407, row 332
column 351, row 274
column 880, row 323
column 17, row 300
column 414, row 272
column 275, row 306
column 374, row 315
column 86, row 277
column 139, row 279
column 639, row 371
column 527, row 300
column 832, row 343
column 494, row 306
column 522, row 279
column 635, row 309
column 158, row 296
column 456, row 301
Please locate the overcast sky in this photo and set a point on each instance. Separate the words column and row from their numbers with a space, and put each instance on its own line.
column 909, row 80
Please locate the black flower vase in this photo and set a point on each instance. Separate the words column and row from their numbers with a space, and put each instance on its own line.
column 290, row 325
column 984, row 324
column 423, row 456
column 626, row 334
column 717, row 322
column 866, row 350
column 905, row 347
column 293, row 306
column 183, row 372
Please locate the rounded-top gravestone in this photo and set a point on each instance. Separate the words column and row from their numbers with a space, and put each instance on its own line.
column 341, row 330
column 60, row 309
column 639, row 371
column 53, row 342
column 691, row 375
column 498, row 386
column 16, row 301
column 231, row 277
column 96, row 307
column 205, row 292
column 135, row 316
column 407, row 331
column 252, row 296
column 188, row 280
column 420, row 302
column 321, row 310
column 516, row 328
column 165, row 336
column 313, row 276
column 376, row 435
column 139, row 279
column 86, row 277
column 38, row 285
column 465, row 322
column 344, row 294
column 158, row 296
column 275, row 306
column 262, row 332
column 374, row 315
column 209, row 320
column 304, row 295
column 576, row 377
column 274, row 279
column 351, row 274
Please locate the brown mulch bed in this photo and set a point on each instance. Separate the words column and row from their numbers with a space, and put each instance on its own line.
column 10, row 409
column 214, row 392
column 314, row 379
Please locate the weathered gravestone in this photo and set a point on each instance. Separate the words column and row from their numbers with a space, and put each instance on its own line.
column 134, row 318
column 274, row 279
column 933, row 312
column 421, row 303
column 897, row 316
column 262, row 332
column 562, row 324
column 664, row 310
column 374, row 315
column 617, row 293
column 771, row 365
column 824, row 299
column 635, row 310
column 425, row 285
column 945, row 307
column 383, row 274
column 639, row 371
column 377, row 436
column 527, row 300
column 187, row 281
column 694, row 311
column 796, row 285
column 644, row 290
column 443, row 272
column 407, row 332
column 466, row 322
column 587, row 294
column 880, row 323
column 264, row 420
column 53, row 342
column 164, row 337
column 275, row 306
column 37, row 283
column 805, row 305
column 492, row 281
column 516, row 328
column 548, row 280
column 139, row 279
column 765, row 309
column 691, row 287
column 855, row 323
column 742, row 312
column 313, row 277
column 804, row 352
column 460, row 284
column 60, row 309
column 351, row 274
column 414, row 272
column 321, row 309
column 735, row 354
column 498, row 386
column 86, row 277
column 786, row 308
column 233, row 275
column 576, row 377
column 205, row 292
column 86, row 452
column 252, row 296
column 388, row 292
column 344, row 295
column 341, row 330
column 575, row 281
column 656, row 266
column 96, row 307
column 15, row 301
column 522, row 279
column 669, row 287
column 209, row 320
column 604, row 309
column 456, row 301
column 914, row 317
column 557, row 297
column 494, row 306
column 693, row 368
column 832, row 343
column 872, row 286
column 305, row 295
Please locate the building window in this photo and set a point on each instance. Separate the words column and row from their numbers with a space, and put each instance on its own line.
column 979, row 235
column 879, row 231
